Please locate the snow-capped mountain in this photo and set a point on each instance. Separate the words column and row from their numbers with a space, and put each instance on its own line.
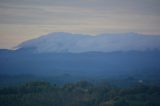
column 76, row 43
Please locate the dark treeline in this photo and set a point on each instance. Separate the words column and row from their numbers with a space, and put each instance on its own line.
column 82, row 93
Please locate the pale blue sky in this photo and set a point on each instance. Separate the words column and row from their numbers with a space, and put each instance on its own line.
column 26, row 19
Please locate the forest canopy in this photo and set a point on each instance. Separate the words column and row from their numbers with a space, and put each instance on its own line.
column 82, row 93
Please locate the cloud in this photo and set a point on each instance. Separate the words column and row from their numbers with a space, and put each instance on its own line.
column 62, row 42
column 51, row 11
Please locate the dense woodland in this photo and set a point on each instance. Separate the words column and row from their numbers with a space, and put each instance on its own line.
column 82, row 93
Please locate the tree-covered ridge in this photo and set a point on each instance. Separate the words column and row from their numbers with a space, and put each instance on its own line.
column 82, row 93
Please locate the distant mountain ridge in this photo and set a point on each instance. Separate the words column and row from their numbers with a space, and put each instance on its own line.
column 89, row 65
column 62, row 42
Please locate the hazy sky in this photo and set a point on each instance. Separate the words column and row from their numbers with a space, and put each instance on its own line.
column 26, row 19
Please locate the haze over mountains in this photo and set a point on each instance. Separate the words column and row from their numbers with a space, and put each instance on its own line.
column 69, row 56
column 77, row 43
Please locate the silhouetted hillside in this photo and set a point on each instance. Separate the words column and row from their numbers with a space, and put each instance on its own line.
column 81, row 93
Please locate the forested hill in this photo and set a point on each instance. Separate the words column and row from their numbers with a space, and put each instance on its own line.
column 82, row 93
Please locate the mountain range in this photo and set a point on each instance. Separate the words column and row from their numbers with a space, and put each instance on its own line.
column 77, row 56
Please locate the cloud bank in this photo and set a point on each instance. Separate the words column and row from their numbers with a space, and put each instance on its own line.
column 77, row 43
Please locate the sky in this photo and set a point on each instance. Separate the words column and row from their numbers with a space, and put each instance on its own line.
column 21, row 20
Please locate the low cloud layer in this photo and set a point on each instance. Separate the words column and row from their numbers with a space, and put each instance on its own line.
column 76, row 43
